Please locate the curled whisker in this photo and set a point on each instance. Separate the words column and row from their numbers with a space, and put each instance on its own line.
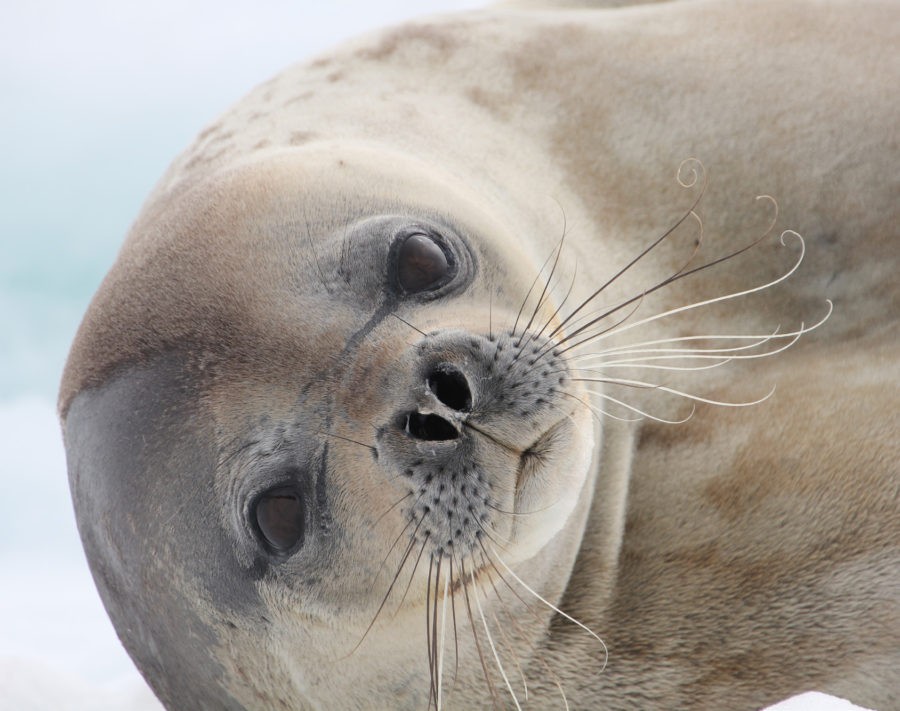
column 759, row 340
column 774, row 219
column 659, row 240
column 717, row 299
column 681, row 274
column 697, row 171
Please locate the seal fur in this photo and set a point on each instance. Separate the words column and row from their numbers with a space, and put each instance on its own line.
column 251, row 330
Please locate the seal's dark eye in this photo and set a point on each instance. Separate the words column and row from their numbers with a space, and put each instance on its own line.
column 280, row 518
column 422, row 264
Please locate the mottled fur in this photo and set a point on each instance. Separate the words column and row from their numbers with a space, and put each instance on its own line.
column 730, row 561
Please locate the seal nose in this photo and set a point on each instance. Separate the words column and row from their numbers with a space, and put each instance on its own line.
column 430, row 428
column 450, row 386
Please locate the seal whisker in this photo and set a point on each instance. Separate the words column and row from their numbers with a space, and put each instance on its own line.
column 392, row 507
column 713, row 353
column 642, row 346
column 488, row 562
column 412, row 575
column 572, row 282
column 399, row 536
column 384, row 600
column 440, row 664
column 484, row 666
column 512, row 620
column 593, row 319
column 643, row 414
column 535, row 281
column 598, row 412
column 493, row 647
column 555, row 608
column 455, row 632
column 659, row 240
column 522, row 513
column 315, row 255
column 562, row 304
column 429, row 636
column 510, row 648
column 348, row 439
column 652, row 366
column 436, row 560
column 539, row 657
column 545, row 291
column 402, row 320
column 677, row 276
column 483, row 530
column 704, row 302
column 663, row 388
column 554, row 346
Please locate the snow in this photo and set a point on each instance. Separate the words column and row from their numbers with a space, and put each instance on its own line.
column 815, row 701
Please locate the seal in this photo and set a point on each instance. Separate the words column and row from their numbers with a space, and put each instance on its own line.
column 420, row 381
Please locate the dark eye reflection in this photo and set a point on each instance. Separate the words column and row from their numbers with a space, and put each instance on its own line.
column 280, row 518
column 422, row 265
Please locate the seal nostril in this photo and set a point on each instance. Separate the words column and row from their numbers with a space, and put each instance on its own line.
column 450, row 386
column 430, row 428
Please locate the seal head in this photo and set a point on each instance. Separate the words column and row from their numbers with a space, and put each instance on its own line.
column 315, row 418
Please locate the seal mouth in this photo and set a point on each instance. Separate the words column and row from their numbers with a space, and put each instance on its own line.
column 537, row 455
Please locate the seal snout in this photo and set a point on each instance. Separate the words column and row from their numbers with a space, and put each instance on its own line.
column 448, row 385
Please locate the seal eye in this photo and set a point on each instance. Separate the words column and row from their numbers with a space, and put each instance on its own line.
column 280, row 517
column 422, row 264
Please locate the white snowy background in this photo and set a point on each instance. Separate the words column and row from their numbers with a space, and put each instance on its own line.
column 96, row 98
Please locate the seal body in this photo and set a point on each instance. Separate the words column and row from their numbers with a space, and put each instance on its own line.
column 419, row 373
